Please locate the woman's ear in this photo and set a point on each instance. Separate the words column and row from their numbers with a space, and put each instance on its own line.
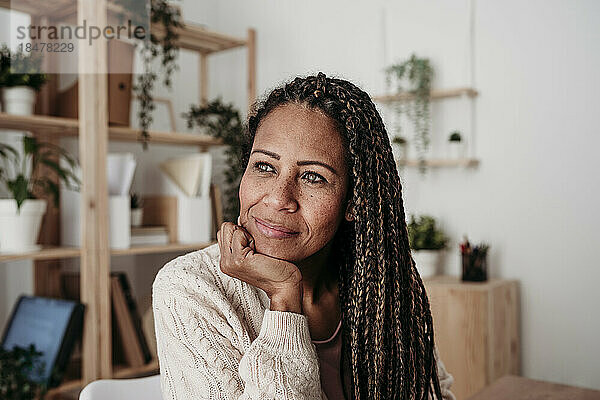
column 349, row 215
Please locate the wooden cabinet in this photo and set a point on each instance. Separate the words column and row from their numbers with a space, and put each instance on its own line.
column 476, row 330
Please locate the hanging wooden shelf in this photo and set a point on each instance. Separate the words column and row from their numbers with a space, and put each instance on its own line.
column 435, row 95
column 440, row 162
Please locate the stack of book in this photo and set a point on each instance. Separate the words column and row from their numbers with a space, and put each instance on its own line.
column 129, row 341
column 149, row 235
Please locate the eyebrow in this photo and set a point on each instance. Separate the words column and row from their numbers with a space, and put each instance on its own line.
column 308, row 162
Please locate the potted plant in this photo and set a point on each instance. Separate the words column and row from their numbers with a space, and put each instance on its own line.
column 456, row 148
column 426, row 242
column 20, row 80
column 165, row 47
column 413, row 78
column 137, row 212
column 223, row 121
column 400, row 148
column 17, row 368
column 21, row 215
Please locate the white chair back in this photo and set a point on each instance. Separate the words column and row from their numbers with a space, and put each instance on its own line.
column 123, row 389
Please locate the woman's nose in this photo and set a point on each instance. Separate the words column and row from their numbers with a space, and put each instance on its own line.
column 281, row 196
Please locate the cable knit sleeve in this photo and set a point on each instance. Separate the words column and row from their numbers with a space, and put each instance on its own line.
column 446, row 380
column 201, row 356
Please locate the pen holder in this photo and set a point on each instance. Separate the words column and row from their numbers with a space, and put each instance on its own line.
column 474, row 267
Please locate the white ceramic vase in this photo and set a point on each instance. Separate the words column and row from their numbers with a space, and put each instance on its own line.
column 137, row 215
column 427, row 261
column 19, row 100
column 19, row 231
column 400, row 151
column 456, row 150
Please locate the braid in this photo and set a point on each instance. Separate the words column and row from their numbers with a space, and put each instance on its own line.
column 387, row 329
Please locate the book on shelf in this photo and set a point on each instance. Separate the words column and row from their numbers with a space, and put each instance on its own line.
column 129, row 322
column 129, row 341
column 149, row 235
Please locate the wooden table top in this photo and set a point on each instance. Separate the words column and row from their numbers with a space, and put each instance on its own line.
column 519, row 388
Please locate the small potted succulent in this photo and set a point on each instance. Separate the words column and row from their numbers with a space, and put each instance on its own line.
column 21, row 214
column 427, row 243
column 137, row 211
column 400, row 148
column 456, row 148
column 20, row 80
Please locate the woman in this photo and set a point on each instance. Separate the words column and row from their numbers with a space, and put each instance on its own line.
column 313, row 293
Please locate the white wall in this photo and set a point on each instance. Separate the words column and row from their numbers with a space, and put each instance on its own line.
column 534, row 196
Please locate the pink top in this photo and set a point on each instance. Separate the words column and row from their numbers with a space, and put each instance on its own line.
column 329, row 352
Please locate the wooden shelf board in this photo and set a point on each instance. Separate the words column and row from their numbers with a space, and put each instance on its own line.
column 191, row 36
column 435, row 95
column 70, row 127
column 52, row 253
column 196, row 38
column 463, row 162
column 163, row 248
column 46, row 253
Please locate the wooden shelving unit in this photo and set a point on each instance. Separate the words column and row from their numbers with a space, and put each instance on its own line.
column 93, row 133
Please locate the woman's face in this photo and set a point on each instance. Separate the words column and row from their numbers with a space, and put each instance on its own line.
column 293, row 191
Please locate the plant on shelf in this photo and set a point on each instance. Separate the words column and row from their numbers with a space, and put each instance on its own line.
column 223, row 121
column 20, row 79
column 455, row 145
column 399, row 147
column 165, row 47
column 23, row 211
column 136, row 210
column 17, row 366
column 413, row 77
column 426, row 241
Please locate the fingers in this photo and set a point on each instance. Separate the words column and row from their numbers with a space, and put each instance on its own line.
column 240, row 245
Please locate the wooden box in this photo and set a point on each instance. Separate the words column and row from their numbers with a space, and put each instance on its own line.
column 119, row 87
column 188, row 219
column 476, row 330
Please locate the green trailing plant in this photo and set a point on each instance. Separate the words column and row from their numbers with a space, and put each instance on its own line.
column 20, row 69
column 455, row 136
column 17, row 366
column 413, row 78
column 169, row 18
column 223, row 121
column 424, row 235
column 21, row 180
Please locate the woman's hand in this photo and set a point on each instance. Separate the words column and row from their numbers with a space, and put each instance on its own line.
column 281, row 280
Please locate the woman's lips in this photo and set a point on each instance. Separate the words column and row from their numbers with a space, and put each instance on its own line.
column 273, row 231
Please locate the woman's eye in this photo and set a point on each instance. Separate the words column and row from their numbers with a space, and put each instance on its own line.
column 263, row 167
column 313, row 177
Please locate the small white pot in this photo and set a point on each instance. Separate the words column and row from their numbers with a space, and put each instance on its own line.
column 19, row 100
column 400, row 151
column 427, row 261
column 19, row 232
column 137, row 215
column 456, row 150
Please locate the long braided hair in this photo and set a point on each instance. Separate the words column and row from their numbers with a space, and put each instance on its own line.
column 387, row 329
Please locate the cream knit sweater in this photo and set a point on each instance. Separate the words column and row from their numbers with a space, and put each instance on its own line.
column 217, row 338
